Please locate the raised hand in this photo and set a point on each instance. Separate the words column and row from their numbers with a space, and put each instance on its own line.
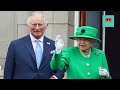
column 59, row 44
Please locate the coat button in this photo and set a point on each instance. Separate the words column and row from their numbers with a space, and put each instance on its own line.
column 88, row 73
column 87, row 64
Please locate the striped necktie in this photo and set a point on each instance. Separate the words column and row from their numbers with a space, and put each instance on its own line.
column 38, row 53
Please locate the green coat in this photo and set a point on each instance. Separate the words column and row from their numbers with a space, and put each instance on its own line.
column 77, row 66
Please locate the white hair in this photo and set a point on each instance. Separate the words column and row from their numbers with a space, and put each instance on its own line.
column 36, row 13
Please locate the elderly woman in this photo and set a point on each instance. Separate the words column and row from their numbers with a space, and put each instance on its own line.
column 82, row 61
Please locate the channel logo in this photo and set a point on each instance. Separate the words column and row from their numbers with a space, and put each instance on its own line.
column 108, row 21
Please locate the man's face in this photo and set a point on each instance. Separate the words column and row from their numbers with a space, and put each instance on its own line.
column 37, row 26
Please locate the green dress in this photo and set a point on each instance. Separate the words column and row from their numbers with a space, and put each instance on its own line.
column 77, row 66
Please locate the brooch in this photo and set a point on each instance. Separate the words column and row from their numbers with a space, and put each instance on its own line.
column 97, row 53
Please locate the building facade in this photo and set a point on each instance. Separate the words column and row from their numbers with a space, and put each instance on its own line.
column 13, row 26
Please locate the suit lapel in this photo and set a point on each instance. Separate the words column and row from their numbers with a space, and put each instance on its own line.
column 46, row 50
column 29, row 47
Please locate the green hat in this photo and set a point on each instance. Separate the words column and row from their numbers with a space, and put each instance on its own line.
column 86, row 32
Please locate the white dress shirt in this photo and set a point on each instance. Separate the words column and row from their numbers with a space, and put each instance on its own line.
column 33, row 40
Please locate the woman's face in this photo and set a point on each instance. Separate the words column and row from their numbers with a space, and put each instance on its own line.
column 84, row 43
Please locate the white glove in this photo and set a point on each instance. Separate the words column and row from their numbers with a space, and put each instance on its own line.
column 103, row 72
column 59, row 44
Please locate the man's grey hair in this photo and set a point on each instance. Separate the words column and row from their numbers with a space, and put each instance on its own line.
column 38, row 14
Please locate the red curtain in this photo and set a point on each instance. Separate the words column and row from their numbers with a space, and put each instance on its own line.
column 82, row 18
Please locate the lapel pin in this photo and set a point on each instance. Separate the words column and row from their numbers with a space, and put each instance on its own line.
column 48, row 43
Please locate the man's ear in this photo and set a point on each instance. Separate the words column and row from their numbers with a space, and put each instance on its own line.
column 46, row 27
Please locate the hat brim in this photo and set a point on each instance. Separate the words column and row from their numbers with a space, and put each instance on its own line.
column 85, row 36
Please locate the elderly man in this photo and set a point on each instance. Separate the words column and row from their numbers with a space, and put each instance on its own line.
column 29, row 57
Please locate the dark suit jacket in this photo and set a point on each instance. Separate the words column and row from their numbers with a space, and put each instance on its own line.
column 21, row 62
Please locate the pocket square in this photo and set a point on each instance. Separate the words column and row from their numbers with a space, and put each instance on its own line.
column 52, row 51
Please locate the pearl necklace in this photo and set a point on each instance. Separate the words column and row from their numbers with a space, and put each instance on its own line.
column 86, row 55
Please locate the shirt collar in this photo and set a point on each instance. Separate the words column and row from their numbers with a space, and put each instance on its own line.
column 33, row 39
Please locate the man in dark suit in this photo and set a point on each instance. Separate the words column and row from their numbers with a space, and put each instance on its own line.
column 21, row 57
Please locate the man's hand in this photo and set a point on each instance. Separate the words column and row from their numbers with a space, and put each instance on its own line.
column 53, row 77
column 59, row 44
